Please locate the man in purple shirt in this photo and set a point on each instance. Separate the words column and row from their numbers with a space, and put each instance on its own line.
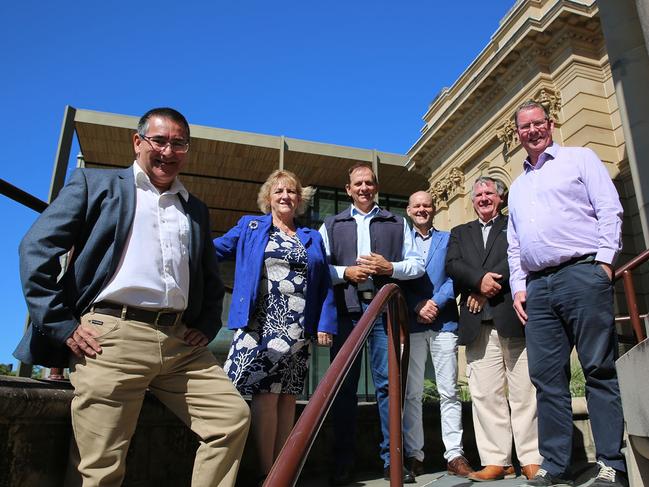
column 564, row 235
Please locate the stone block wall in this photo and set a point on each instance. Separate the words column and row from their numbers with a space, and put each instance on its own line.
column 35, row 437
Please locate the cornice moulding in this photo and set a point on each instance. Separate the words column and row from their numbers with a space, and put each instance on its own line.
column 497, row 59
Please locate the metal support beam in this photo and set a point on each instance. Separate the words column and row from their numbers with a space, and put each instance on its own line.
column 282, row 148
column 375, row 168
column 62, row 152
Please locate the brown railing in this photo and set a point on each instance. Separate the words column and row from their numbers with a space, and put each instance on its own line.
column 290, row 461
column 624, row 273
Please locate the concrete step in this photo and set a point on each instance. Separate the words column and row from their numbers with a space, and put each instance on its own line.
column 584, row 475
column 438, row 479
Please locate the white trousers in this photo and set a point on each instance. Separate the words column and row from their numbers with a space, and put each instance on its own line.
column 442, row 347
column 504, row 399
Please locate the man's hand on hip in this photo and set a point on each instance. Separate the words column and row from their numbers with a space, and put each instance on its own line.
column 82, row 341
column 195, row 337
column 519, row 306
column 376, row 263
column 608, row 268
column 489, row 285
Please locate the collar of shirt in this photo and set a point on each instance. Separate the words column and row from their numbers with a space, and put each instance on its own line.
column 490, row 222
column 424, row 237
column 355, row 211
column 548, row 153
column 142, row 180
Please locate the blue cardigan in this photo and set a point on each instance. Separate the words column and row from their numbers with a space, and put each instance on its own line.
column 245, row 243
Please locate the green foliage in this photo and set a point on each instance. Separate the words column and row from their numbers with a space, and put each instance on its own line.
column 465, row 394
column 577, row 386
column 577, row 380
column 430, row 391
column 431, row 394
column 6, row 369
column 38, row 372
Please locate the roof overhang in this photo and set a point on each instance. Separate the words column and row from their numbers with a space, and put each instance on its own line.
column 226, row 168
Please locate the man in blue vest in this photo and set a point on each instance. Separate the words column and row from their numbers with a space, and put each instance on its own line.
column 433, row 329
column 367, row 247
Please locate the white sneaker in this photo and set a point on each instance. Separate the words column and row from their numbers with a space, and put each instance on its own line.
column 609, row 477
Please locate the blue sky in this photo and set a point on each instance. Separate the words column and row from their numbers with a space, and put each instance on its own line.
column 358, row 73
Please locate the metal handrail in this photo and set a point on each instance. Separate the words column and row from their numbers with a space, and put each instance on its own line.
column 289, row 463
column 22, row 197
column 624, row 272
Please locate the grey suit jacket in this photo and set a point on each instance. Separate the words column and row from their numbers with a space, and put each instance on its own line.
column 92, row 217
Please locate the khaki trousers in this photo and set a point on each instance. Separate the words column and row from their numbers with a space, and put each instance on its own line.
column 108, row 395
column 504, row 399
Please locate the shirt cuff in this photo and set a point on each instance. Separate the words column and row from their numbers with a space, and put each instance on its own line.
column 518, row 286
column 338, row 274
column 607, row 256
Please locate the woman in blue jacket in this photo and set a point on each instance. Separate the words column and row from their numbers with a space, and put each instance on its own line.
column 281, row 301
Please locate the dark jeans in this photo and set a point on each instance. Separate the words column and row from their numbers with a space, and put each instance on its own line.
column 573, row 306
column 345, row 407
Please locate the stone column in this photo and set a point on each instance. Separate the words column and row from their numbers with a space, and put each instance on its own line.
column 627, row 50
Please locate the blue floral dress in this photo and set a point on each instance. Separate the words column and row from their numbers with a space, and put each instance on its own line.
column 271, row 353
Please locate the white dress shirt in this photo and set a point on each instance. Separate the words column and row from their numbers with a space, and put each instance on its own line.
column 153, row 271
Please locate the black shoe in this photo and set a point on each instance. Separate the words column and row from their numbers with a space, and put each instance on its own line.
column 408, row 477
column 609, row 477
column 415, row 466
column 544, row 479
column 342, row 476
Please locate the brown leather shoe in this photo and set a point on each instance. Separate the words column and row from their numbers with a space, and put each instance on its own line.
column 493, row 472
column 530, row 470
column 459, row 466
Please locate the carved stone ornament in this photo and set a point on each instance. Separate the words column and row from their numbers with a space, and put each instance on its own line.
column 507, row 135
column 551, row 101
column 448, row 186
column 507, row 131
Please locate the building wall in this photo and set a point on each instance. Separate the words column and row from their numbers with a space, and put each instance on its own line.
column 552, row 51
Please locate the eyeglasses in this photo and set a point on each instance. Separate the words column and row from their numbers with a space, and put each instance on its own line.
column 178, row 146
column 537, row 124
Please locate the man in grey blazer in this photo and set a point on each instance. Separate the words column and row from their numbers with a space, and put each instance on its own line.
column 135, row 308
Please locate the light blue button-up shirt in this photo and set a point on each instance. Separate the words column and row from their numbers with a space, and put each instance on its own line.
column 410, row 267
column 422, row 242
column 564, row 207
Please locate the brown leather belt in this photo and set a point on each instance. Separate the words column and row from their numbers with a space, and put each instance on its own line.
column 149, row 316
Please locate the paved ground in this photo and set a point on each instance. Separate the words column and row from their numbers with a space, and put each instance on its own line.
column 439, row 479
column 442, row 479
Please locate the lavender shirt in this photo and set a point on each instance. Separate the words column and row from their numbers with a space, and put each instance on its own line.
column 564, row 207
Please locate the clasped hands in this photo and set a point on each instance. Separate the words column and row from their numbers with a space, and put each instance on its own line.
column 427, row 310
column 367, row 266
column 489, row 287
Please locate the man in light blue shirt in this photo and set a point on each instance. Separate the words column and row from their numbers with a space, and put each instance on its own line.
column 433, row 323
column 367, row 247
column 564, row 234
